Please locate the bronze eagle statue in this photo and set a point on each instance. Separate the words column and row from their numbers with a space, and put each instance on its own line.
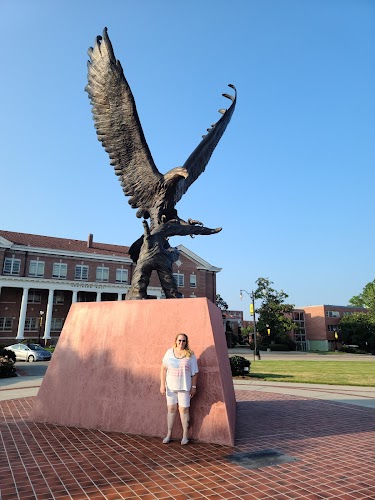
column 118, row 128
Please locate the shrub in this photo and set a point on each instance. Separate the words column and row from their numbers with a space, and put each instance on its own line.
column 275, row 347
column 279, row 347
column 352, row 349
column 7, row 360
column 348, row 349
column 238, row 365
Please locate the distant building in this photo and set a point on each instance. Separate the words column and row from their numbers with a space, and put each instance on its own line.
column 319, row 326
column 41, row 276
column 232, row 321
column 320, row 323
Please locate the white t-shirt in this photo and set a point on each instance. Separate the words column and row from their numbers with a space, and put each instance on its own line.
column 179, row 371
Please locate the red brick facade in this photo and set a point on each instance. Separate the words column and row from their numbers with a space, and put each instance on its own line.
column 318, row 326
column 323, row 321
column 46, row 274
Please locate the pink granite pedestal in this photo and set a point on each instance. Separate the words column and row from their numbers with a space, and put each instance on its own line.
column 105, row 371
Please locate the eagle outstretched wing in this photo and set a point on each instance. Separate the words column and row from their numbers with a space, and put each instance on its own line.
column 118, row 127
column 197, row 161
column 120, row 132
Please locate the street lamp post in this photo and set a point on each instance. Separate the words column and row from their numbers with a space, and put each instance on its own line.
column 252, row 310
column 41, row 314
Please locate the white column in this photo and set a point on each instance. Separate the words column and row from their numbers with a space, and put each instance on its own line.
column 47, row 327
column 98, row 296
column 74, row 296
column 119, row 296
column 21, row 323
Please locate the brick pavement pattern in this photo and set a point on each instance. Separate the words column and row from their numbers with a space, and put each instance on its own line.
column 333, row 443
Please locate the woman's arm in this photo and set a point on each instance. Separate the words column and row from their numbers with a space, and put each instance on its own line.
column 193, row 389
column 163, row 375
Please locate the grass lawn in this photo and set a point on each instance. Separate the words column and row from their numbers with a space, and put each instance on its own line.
column 315, row 372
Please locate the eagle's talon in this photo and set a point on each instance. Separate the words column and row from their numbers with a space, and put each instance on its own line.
column 165, row 220
column 193, row 222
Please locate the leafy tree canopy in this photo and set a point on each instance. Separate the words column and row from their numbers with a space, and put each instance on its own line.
column 366, row 298
column 247, row 333
column 220, row 302
column 272, row 323
column 358, row 329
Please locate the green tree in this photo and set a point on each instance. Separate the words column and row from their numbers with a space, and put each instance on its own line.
column 220, row 302
column 273, row 324
column 247, row 334
column 358, row 329
column 356, row 301
column 366, row 298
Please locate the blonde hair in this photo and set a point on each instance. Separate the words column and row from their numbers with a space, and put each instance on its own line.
column 188, row 352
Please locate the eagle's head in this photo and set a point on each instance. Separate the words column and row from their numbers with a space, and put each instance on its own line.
column 174, row 175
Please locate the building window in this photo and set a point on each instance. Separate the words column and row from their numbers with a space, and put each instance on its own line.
column 179, row 278
column 36, row 268
column 60, row 270
column 86, row 297
column 298, row 316
column 332, row 314
column 332, row 328
column 82, row 272
column 58, row 297
column 12, row 266
column 193, row 281
column 102, row 273
column 6, row 324
column 31, row 324
column 121, row 275
column 34, row 297
column 57, row 324
column 300, row 336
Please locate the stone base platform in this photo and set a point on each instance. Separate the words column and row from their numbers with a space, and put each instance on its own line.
column 105, row 371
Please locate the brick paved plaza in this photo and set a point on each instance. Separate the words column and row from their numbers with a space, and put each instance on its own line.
column 330, row 446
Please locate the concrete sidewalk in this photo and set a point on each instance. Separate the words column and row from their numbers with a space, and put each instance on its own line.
column 26, row 386
column 19, row 387
column 300, row 355
column 360, row 396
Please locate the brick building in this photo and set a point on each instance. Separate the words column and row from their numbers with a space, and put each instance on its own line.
column 317, row 326
column 321, row 323
column 41, row 276
column 232, row 320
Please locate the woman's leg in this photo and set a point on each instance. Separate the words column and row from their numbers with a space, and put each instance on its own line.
column 184, row 415
column 171, row 416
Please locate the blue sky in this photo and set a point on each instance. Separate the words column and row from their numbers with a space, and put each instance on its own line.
column 291, row 181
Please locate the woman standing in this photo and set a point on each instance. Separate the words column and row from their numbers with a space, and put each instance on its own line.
column 178, row 380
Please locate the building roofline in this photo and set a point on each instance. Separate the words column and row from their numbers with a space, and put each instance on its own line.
column 330, row 305
column 82, row 249
column 203, row 264
column 5, row 243
column 51, row 245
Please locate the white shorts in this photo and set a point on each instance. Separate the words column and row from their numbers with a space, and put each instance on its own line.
column 180, row 397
